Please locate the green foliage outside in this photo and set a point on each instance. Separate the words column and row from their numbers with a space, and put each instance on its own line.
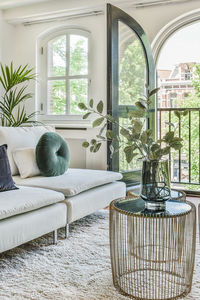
column 78, row 65
column 78, row 92
column 58, row 47
column 132, row 69
column 78, row 58
column 191, row 101
column 57, row 88
column 132, row 73
column 196, row 83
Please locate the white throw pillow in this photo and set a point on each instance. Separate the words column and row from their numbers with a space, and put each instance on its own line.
column 25, row 160
column 21, row 137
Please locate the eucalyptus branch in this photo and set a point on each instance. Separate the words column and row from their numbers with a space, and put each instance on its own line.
column 104, row 116
column 136, row 138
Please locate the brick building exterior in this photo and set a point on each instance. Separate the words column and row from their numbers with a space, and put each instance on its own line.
column 175, row 84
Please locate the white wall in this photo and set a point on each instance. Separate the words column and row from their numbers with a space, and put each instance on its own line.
column 24, row 41
column 20, row 46
column 6, row 42
column 153, row 19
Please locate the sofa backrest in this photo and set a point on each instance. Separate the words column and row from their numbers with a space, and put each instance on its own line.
column 21, row 137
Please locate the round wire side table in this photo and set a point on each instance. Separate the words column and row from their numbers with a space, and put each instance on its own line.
column 152, row 254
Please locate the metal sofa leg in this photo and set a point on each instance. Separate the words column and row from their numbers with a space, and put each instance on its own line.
column 67, row 231
column 55, row 237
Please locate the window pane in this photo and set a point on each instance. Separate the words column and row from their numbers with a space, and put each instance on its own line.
column 78, row 93
column 57, row 56
column 57, row 97
column 78, row 55
column 132, row 66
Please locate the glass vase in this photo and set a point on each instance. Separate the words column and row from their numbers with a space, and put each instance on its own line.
column 155, row 184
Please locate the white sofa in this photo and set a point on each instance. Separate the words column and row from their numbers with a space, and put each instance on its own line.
column 44, row 204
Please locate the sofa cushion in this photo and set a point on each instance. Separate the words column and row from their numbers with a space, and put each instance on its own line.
column 21, row 137
column 26, row 199
column 6, row 181
column 22, row 228
column 52, row 154
column 88, row 202
column 26, row 162
column 73, row 182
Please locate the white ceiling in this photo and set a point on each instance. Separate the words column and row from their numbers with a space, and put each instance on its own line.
column 5, row 4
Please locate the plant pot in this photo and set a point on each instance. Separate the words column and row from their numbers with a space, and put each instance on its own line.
column 155, row 184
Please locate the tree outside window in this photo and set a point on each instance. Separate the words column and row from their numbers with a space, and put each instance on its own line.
column 67, row 74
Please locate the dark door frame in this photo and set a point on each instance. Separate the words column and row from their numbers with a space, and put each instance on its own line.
column 114, row 15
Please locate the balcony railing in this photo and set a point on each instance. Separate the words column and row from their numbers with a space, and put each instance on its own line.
column 185, row 163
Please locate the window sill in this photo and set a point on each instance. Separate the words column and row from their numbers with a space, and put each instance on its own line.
column 70, row 125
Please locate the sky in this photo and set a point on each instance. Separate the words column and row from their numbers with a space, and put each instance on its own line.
column 182, row 46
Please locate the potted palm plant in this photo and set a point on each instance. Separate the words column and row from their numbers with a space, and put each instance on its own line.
column 139, row 142
column 14, row 85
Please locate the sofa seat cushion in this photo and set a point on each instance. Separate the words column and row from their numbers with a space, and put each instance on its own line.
column 88, row 202
column 26, row 199
column 73, row 182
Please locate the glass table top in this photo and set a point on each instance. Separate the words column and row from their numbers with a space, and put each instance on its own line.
column 136, row 206
column 175, row 194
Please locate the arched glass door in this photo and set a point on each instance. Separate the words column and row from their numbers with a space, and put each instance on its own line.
column 130, row 67
column 178, row 69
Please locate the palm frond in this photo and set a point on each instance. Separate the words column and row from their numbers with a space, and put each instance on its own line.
column 11, row 77
column 3, row 78
column 12, row 109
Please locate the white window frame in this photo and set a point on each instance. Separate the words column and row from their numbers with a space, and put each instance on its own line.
column 42, row 105
column 170, row 28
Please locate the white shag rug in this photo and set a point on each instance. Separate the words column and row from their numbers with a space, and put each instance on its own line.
column 76, row 268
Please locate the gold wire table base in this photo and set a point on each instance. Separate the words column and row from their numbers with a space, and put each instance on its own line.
column 152, row 257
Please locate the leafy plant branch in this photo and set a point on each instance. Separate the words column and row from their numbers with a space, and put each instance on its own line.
column 137, row 139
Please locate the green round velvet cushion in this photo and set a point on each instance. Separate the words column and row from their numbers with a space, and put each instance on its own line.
column 52, row 154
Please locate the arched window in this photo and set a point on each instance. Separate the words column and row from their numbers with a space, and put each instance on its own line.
column 64, row 74
column 177, row 62
column 176, row 51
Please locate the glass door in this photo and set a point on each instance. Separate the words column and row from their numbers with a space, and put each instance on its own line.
column 130, row 67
